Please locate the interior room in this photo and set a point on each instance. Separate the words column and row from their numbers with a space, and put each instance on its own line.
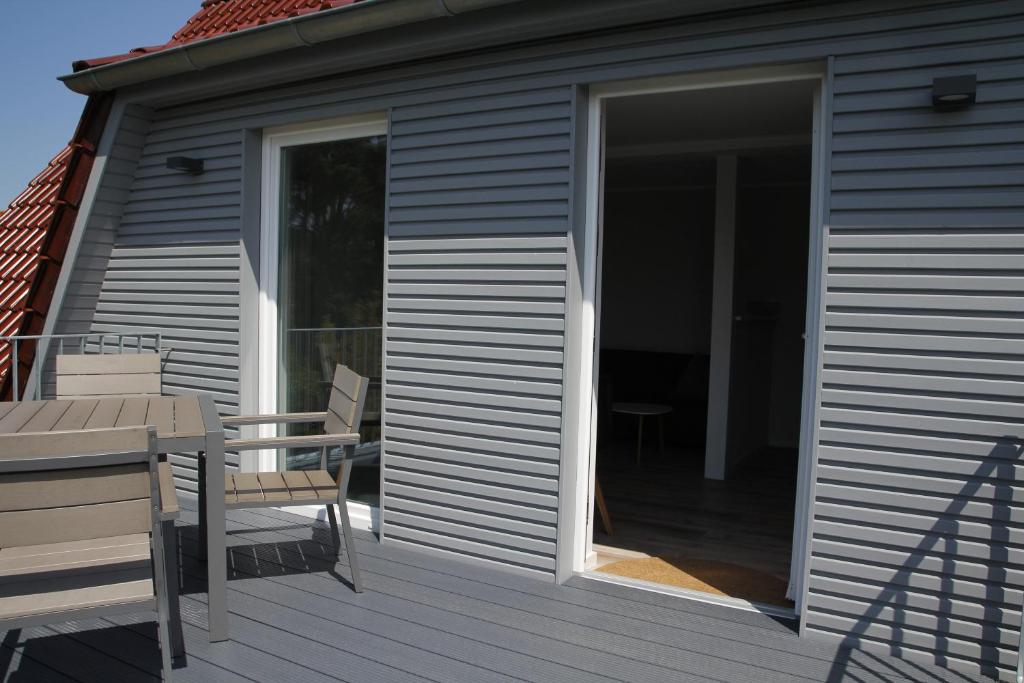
column 702, row 303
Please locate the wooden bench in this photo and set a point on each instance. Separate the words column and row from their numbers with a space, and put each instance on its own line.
column 340, row 423
column 80, row 528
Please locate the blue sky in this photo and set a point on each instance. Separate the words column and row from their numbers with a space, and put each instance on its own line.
column 38, row 41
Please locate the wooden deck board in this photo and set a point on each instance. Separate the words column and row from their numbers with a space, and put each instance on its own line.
column 425, row 617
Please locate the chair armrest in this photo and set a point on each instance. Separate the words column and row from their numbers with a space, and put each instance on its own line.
column 310, row 441
column 280, row 418
column 169, row 508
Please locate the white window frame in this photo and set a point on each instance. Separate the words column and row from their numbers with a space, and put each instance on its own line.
column 363, row 516
column 581, row 552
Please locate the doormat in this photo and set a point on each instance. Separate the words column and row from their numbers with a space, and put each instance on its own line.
column 707, row 576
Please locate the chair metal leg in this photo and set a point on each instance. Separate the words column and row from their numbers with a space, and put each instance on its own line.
column 639, row 437
column 350, row 547
column 346, row 525
column 173, row 588
column 334, row 530
column 201, row 461
column 161, row 590
column 661, row 435
column 163, row 632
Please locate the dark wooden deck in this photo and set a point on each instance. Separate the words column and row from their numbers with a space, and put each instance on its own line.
column 294, row 618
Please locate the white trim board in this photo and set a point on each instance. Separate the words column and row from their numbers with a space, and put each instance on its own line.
column 364, row 517
column 585, row 367
column 274, row 141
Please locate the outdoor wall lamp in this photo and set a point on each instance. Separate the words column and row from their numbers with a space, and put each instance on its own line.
column 185, row 164
column 954, row 92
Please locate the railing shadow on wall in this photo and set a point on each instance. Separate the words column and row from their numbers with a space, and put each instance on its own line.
column 996, row 470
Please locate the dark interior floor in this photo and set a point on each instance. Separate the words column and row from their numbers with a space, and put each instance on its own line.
column 665, row 506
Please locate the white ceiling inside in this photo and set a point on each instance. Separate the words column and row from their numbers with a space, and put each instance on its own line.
column 700, row 120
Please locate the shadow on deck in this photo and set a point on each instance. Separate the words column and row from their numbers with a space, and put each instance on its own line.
column 294, row 617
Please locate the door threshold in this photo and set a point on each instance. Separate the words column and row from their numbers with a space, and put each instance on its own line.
column 687, row 594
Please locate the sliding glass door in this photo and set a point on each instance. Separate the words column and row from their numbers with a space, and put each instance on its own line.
column 329, row 283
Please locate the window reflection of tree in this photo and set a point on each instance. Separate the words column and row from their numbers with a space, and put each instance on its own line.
column 331, row 278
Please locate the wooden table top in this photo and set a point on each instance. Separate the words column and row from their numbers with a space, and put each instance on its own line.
column 175, row 417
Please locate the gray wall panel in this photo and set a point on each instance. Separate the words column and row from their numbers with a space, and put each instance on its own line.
column 473, row 384
column 918, row 534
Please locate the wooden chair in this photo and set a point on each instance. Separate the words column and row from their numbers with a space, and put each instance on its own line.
column 98, row 375
column 341, row 423
column 80, row 528
column 113, row 375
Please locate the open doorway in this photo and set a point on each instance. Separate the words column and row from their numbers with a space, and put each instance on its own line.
column 702, row 300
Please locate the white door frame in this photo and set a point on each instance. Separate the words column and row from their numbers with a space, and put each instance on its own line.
column 585, row 420
column 274, row 141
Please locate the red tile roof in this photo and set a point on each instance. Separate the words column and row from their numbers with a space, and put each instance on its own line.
column 217, row 17
column 34, row 234
column 35, row 230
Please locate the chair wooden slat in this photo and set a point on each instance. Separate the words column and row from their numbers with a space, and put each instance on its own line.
column 308, row 441
column 273, row 486
column 115, row 374
column 323, row 483
column 298, row 485
column 230, row 496
column 44, row 597
column 37, row 445
column 70, row 487
column 96, row 554
column 6, row 407
column 57, row 525
column 108, row 364
column 247, row 487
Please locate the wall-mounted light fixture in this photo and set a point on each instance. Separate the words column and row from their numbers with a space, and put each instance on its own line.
column 185, row 164
column 954, row 92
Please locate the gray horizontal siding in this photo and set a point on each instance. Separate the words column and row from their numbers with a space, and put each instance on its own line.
column 918, row 531
column 90, row 266
column 475, row 316
column 473, row 385
column 174, row 267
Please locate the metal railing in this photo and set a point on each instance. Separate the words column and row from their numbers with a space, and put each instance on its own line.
column 310, row 355
column 88, row 342
column 312, row 352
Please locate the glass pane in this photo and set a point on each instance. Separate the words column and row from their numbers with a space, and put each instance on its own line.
column 331, row 255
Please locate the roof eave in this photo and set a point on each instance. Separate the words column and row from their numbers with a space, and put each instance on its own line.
column 303, row 30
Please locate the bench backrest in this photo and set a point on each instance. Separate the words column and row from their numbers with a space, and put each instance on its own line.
column 58, row 487
column 108, row 374
column 345, row 406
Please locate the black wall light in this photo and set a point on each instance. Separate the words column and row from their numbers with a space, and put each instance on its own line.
column 185, row 164
column 954, row 92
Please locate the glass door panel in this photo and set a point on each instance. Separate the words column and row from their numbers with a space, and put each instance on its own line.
column 330, row 282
